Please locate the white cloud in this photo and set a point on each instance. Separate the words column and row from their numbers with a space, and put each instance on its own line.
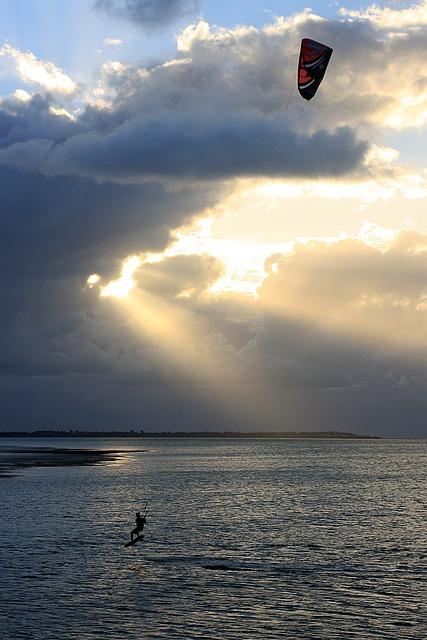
column 202, row 31
column 34, row 71
column 102, row 95
column 22, row 95
column 62, row 113
column 112, row 42
column 191, row 34
column 390, row 18
column 375, row 76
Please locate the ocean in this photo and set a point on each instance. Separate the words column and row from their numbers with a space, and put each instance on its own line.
column 245, row 539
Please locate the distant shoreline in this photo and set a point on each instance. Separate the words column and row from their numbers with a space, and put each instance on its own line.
column 190, row 434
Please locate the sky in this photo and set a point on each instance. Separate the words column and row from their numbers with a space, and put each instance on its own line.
column 188, row 244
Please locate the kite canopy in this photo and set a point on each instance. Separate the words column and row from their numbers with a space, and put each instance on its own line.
column 313, row 61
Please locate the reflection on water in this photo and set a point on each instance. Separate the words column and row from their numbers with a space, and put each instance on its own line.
column 244, row 539
column 15, row 458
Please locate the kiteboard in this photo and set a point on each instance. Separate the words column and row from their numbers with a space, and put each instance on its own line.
column 134, row 541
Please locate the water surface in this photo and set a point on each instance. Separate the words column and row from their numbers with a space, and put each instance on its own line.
column 244, row 539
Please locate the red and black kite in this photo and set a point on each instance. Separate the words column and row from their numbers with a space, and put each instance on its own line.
column 313, row 60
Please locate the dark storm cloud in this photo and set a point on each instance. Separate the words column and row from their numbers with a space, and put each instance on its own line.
column 150, row 13
column 63, row 226
column 54, row 232
column 121, row 145
column 62, row 347
column 22, row 121
column 194, row 148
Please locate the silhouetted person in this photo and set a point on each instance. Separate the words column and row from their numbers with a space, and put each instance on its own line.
column 140, row 523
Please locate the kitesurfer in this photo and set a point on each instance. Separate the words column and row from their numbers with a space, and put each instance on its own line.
column 140, row 523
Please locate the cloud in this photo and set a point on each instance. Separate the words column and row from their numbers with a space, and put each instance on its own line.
column 357, row 314
column 78, row 226
column 150, row 13
column 414, row 16
column 343, row 314
column 374, row 78
column 25, row 118
column 335, row 323
column 112, row 42
column 196, row 149
column 85, row 185
column 335, row 319
column 54, row 232
column 182, row 276
column 38, row 72
column 226, row 107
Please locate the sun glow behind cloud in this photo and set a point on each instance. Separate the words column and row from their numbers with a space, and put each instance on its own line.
column 243, row 261
column 93, row 280
column 244, row 256
column 356, row 290
column 121, row 287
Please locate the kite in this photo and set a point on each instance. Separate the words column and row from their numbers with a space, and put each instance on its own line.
column 313, row 61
